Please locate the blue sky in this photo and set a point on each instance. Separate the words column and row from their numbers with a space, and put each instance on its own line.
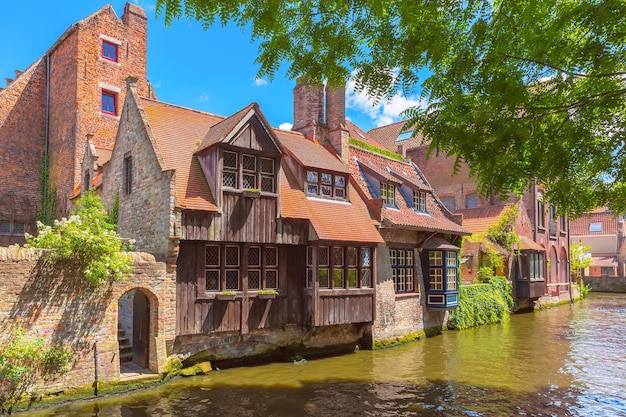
column 211, row 70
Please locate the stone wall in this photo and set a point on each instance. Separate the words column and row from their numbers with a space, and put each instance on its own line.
column 62, row 308
column 144, row 213
column 604, row 283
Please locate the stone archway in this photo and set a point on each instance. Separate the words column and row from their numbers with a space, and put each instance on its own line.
column 137, row 328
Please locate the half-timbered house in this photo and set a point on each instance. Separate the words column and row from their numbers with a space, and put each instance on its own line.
column 272, row 246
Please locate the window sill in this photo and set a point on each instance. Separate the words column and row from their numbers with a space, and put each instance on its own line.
column 110, row 62
column 112, row 116
column 403, row 295
column 327, row 292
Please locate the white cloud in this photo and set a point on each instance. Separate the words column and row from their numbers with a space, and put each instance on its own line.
column 204, row 97
column 383, row 113
column 260, row 81
column 146, row 6
column 285, row 126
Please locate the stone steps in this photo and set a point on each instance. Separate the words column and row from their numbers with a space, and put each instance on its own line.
column 126, row 349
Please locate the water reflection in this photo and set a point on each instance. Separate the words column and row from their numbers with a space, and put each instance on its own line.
column 566, row 361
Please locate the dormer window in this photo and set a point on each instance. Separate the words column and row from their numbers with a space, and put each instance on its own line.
column 419, row 201
column 326, row 184
column 388, row 193
column 255, row 172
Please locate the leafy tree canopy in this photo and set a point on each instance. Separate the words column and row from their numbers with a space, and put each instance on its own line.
column 519, row 90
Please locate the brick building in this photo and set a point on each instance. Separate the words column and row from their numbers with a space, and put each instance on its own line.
column 459, row 192
column 75, row 89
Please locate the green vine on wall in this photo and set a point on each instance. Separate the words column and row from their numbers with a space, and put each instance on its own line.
column 47, row 207
column 481, row 304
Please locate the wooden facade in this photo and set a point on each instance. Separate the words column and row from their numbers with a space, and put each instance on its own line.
column 202, row 311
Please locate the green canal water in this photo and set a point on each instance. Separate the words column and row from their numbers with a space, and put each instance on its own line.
column 564, row 361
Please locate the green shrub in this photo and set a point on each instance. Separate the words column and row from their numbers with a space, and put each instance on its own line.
column 85, row 243
column 482, row 304
column 25, row 360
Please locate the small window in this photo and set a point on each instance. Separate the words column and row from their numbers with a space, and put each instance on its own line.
column 449, row 203
column 471, row 201
column 388, row 193
column 325, row 184
column 404, row 136
column 109, row 102
column 595, row 227
column 109, row 51
column 5, row 227
column 552, row 210
column 419, row 201
column 541, row 210
column 128, row 174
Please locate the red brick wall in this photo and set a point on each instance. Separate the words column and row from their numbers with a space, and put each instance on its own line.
column 77, row 72
column 22, row 133
column 63, row 309
column 78, row 75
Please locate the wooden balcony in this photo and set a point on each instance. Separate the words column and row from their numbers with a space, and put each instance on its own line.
column 526, row 289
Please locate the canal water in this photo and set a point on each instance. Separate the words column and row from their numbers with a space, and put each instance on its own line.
column 564, row 361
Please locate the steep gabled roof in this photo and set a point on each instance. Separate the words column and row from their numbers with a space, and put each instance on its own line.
column 437, row 218
column 226, row 130
column 308, row 153
column 479, row 219
column 609, row 219
column 176, row 132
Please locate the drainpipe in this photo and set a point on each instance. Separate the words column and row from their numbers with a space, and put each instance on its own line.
column 47, row 134
column 535, row 219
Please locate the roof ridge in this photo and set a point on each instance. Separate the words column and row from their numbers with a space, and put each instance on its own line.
column 181, row 107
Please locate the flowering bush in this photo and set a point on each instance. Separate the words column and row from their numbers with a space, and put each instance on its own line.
column 85, row 242
column 25, row 360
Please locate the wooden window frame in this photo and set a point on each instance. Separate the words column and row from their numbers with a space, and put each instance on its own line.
column 258, row 173
column 441, row 269
column 362, row 267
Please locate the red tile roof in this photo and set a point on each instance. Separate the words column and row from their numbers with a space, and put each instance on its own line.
column 357, row 133
column 438, row 219
column 331, row 220
column 177, row 132
column 308, row 153
column 387, row 135
column 609, row 219
column 103, row 154
column 479, row 219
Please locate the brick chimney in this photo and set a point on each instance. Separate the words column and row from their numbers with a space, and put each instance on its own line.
column 320, row 114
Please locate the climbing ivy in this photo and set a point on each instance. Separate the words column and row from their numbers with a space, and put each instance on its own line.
column 482, row 304
column 502, row 232
column 375, row 149
column 47, row 207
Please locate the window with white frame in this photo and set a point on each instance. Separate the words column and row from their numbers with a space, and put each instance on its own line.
column 443, row 270
column 388, row 193
column 419, row 201
column 326, row 184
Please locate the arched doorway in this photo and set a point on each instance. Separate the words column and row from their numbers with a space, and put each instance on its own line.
column 134, row 313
